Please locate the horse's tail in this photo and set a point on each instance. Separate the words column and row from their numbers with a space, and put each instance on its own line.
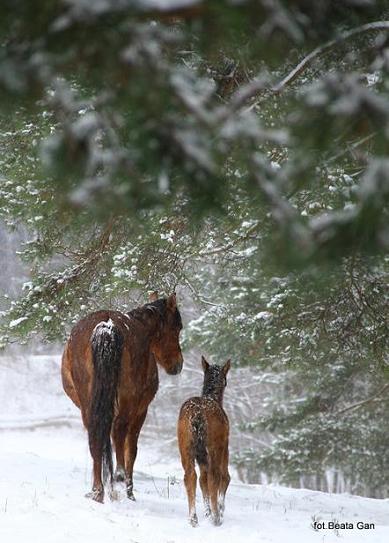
column 107, row 348
column 199, row 433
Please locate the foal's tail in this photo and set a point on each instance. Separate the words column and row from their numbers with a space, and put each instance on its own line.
column 107, row 348
column 199, row 439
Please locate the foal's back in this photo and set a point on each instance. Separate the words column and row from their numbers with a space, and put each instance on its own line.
column 205, row 422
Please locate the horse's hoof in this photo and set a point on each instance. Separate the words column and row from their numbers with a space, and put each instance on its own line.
column 194, row 520
column 114, row 495
column 216, row 520
column 96, row 495
column 130, row 495
column 120, row 475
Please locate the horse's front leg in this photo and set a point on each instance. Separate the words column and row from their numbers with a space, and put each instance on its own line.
column 131, row 449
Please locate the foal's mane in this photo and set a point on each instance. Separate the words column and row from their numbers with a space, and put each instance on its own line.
column 214, row 380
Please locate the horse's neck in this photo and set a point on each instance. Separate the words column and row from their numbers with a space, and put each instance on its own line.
column 148, row 323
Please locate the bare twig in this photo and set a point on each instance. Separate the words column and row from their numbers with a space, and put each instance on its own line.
column 198, row 296
column 241, row 97
column 351, row 148
column 232, row 243
column 321, row 50
column 360, row 404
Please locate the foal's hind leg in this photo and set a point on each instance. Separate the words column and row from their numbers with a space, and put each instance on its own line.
column 204, row 488
column 190, row 479
column 224, row 481
column 188, row 463
column 214, row 478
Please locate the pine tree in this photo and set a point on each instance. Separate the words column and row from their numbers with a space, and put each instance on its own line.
column 237, row 151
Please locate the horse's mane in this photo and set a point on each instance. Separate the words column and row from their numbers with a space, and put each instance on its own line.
column 157, row 308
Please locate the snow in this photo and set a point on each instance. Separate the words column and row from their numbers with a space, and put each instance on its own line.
column 165, row 4
column 103, row 327
column 16, row 322
column 263, row 315
column 46, row 470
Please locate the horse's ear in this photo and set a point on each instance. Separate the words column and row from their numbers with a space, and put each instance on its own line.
column 204, row 363
column 226, row 367
column 171, row 302
column 153, row 296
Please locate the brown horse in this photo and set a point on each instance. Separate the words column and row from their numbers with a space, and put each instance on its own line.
column 109, row 371
column 203, row 430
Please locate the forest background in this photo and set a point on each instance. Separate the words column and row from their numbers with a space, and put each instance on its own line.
column 235, row 152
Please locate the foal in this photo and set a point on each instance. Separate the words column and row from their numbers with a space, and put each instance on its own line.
column 203, row 430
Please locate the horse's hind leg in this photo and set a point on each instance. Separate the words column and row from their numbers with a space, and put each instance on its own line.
column 119, row 433
column 97, row 492
column 131, row 450
column 204, row 488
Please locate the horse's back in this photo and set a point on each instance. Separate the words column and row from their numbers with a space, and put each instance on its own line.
column 138, row 382
column 77, row 361
column 82, row 331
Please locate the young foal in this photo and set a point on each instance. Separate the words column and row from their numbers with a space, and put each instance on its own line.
column 203, row 436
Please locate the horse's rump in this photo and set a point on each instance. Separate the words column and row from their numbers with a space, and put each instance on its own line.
column 107, row 346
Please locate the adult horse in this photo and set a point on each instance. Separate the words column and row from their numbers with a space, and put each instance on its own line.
column 109, row 370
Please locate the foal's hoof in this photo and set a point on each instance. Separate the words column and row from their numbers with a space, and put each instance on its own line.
column 193, row 521
column 96, row 495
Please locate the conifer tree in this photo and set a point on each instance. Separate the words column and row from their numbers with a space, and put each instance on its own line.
column 235, row 150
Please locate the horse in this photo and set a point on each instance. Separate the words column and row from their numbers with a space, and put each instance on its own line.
column 109, row 371
column 202, row 432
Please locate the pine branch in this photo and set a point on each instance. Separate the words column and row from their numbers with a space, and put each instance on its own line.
column 321, row 50
column 362, row 403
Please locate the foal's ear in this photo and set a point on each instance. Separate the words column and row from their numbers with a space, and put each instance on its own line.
column 204, row 363
column 153, row 296
column 226, row 367
column 171, row 302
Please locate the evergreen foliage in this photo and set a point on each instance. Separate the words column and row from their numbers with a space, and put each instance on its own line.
column 235, row 150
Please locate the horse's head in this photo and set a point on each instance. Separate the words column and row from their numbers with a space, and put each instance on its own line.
column 166, row 345
column 215, row 379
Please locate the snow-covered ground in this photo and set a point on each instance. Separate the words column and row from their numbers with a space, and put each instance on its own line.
column 45, row 472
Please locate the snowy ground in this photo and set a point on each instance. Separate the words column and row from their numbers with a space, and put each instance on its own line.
column 45, row 472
